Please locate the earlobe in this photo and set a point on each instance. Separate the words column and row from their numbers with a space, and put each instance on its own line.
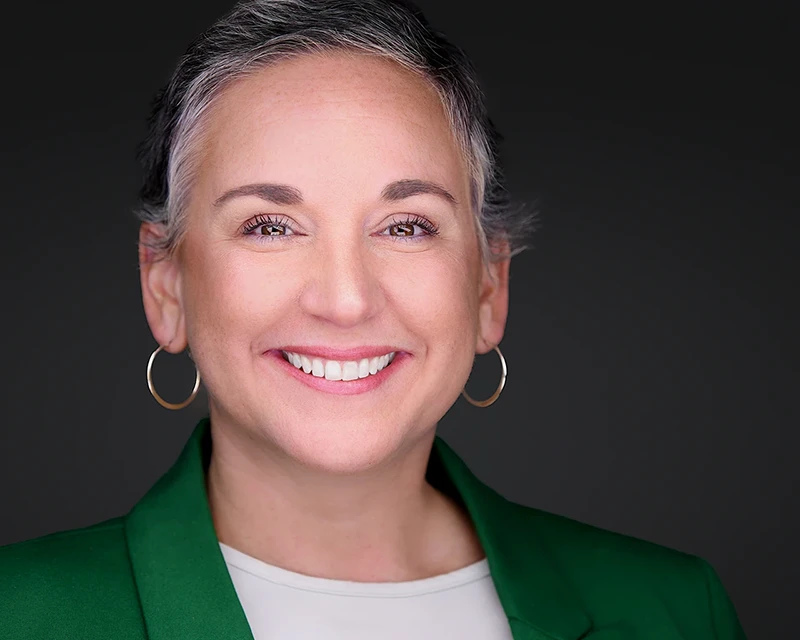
column 161, row 291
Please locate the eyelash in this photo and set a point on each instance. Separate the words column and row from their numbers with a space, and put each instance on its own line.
column 426, row 225
column 265, row 221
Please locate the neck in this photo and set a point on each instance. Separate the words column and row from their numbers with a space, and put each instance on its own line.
column 385, row 524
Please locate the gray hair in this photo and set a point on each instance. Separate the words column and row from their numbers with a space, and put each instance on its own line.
column 256, row 33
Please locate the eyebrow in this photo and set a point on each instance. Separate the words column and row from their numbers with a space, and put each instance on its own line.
column 402, row 189
column 275, row 193
column 283, row 194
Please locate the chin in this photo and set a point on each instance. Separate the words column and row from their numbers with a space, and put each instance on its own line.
column 342, row 448
column 343, row 435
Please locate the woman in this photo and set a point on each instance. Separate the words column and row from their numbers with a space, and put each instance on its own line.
column 324, row 227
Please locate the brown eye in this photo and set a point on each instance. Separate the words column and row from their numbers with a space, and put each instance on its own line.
column 412, row 228
column 268, row 227
column 273, row 230
column 401, row 230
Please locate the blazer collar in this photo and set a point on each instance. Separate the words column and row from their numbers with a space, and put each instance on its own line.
column 184, row 586
column 186, row 591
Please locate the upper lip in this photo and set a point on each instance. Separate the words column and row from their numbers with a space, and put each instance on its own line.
column 330, row 353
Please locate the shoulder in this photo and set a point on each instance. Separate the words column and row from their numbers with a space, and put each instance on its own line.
column 615, row 573
column 107, row 536
column 79, row 579
column 582, row 547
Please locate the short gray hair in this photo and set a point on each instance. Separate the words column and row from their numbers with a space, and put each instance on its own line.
column 257, row 33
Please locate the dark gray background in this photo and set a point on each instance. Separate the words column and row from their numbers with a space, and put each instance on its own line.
column 652, row 340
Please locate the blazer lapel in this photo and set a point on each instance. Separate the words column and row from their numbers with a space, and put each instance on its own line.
column 535, row 595
column 184, row 586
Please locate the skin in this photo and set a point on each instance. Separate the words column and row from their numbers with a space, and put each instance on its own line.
column 324, row 484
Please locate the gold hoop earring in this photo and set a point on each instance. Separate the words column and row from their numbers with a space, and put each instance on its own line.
column 159, row 399
column 493, row 398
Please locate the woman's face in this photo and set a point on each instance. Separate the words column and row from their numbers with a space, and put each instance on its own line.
column 330, row 220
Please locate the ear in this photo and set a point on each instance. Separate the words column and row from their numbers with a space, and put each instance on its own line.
column 161, row 290
column 493, row 304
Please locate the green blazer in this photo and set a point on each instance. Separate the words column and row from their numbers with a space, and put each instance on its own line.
column 158, row 572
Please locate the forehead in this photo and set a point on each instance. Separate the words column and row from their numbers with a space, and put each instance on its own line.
column 342, row 115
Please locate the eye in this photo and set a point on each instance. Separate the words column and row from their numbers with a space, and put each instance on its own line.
column 267, row 227
column 412, row 227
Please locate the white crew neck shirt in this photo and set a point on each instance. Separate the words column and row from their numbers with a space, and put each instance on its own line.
column 285, row 605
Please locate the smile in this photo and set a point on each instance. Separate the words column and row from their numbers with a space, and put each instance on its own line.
column 338, row 370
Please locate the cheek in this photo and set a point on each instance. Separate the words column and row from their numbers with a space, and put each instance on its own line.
column 229, row 294
column 436, row 292
column 437, row 299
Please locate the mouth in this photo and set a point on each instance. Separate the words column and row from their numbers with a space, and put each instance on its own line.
column 341, row 377
column 339, row 370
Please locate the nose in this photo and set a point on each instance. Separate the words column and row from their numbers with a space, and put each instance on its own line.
column 343, row 286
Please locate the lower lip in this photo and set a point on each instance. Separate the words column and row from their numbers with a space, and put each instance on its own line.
column 340, row 387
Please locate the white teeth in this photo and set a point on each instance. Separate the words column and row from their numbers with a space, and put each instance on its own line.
column 350, row 371
column 334, row 370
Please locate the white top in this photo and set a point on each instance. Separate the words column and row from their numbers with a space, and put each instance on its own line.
column 291, row 606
